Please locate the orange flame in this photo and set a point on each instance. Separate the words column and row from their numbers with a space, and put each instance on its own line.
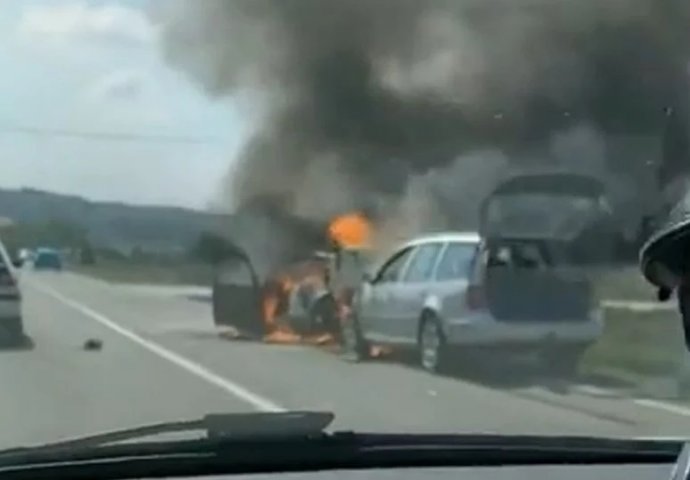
column 274, row 303
column 350, row 230
column 276, row 293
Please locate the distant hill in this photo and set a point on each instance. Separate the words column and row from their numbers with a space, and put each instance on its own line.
column 111, row 224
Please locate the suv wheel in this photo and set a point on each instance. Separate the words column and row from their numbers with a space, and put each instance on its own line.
column 431, row 345
column 355, row 347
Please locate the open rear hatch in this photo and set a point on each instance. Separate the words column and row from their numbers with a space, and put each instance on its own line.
column 522, row 283
column 538, row 231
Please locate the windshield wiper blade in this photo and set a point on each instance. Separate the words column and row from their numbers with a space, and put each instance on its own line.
column 311, row 450
column 215, row 426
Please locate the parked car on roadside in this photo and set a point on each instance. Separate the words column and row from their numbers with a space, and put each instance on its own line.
column 11, row 322
column 456, row 292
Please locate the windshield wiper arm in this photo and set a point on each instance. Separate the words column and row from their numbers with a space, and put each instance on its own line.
column 215, row 426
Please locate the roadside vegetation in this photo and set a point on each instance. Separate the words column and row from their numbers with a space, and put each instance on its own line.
column 623, row 283
column 191, row 267
column 643, row 339
column 638, row 344
column 185, row 272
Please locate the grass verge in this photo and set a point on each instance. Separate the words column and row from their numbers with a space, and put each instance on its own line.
column 622, row 283
column 642, row 344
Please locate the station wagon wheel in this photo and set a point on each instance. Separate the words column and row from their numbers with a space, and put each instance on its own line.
column 355, row 348
column 431, row 345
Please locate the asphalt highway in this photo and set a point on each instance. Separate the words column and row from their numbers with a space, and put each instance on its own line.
column 162, row 359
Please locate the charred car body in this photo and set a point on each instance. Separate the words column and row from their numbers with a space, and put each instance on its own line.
column 301, row 297
column 299, row 302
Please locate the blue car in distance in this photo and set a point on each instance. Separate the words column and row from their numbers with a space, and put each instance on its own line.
column 47, row 259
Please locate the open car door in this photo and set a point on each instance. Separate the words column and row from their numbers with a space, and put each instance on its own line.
column 568, row 211
column 538, row 230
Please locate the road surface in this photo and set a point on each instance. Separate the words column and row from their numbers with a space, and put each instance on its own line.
column 162, row 360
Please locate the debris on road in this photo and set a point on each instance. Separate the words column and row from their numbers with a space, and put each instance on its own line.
column 93, row 344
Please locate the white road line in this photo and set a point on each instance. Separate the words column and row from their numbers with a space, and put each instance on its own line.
column 639, row 306
column 645, row 402
column 594, row 391
column 241, row 392
column 238, row 391
column 668, row 407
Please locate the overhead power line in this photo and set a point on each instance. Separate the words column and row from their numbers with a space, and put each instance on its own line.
column 106, row 136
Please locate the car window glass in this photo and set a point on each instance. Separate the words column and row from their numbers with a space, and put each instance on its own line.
column 391, row 270
column 422, row 264
column 456, row 261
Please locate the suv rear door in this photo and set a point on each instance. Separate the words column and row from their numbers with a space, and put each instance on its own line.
column 568, row 210
column 539, row 231
column 522, row 284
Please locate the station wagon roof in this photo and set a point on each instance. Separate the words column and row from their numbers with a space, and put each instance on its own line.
column 461, row 237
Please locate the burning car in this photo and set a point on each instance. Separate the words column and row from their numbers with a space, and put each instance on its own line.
column 301, row 300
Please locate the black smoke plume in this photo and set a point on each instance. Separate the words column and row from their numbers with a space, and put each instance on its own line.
column 360, row 96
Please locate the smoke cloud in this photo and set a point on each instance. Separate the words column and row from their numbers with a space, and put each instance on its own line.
column 371, row 102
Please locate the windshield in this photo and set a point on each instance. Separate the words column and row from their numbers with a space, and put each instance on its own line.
column 227, row 206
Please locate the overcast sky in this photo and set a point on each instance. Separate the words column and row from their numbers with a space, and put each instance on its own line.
column 95, row 67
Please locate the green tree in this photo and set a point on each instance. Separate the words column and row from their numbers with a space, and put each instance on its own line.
column 54, row 233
